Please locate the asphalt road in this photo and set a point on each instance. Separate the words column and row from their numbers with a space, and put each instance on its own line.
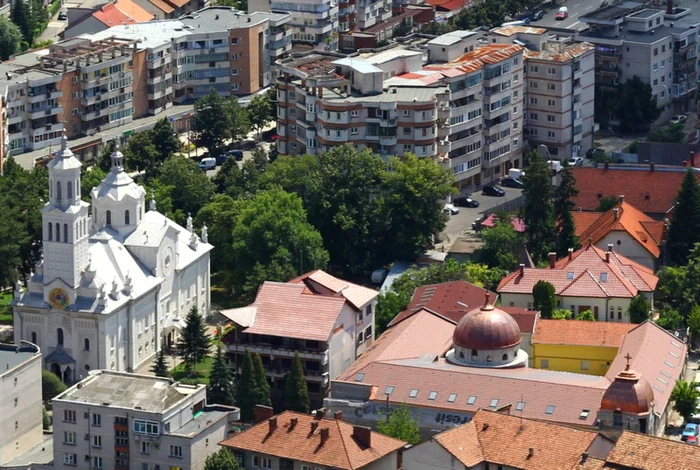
column 576, row 8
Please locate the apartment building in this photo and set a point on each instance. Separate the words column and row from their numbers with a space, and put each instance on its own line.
column 327, row 321
column 313, row 22
column 632, row 40
column 115, row 420
column 20, row 406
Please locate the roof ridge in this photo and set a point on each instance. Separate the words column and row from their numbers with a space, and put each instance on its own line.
column 345, row 447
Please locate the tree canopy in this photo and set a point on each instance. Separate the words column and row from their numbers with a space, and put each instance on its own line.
column 565, row 229
column 400, row 424
column 638, row 309
column 160, row 366
column 10, row 38
column 221, row 388
column 537, row 211
column 195, row 342
column 296, row 393
column 260, row 112
column 685, row 398
column 246, row 389
column 544, row 299
column 636, row 108
column 223, row 459
column 502, row 245
column 684, row 229
column 191, row 189
column 211, row 123
column 51, row 385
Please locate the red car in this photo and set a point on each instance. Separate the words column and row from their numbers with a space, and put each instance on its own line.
column 692, row 440
column 562, row 14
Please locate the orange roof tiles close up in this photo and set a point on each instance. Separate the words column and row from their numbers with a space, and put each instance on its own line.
column 130, row 8
column 323, row 283
column 325, row 442
column 523, row 317
column 580, row 333
column 635, row 451
column 110, row 15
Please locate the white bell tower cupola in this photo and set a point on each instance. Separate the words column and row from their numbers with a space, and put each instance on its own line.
column 64, row 221
column 118, row 203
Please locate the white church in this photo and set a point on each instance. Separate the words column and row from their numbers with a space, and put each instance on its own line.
column 114, row 285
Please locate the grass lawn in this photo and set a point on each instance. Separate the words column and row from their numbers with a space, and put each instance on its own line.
column 203, row 370
column 5, row 309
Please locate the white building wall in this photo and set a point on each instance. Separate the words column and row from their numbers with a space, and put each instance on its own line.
column 629, row 247
column 430, row 455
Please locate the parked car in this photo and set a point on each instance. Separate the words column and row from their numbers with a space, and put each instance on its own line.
column 512, row 183
column 63, row 16
column 493, row 190
column 695, row 417
column 679, row 118
column 476, row 225
column 692, row 441
column 562, row 14
column 207, row 164
column 450, row 209
column 590, row 152
column 691, row 430
column 537, row 16
column 575, row 161
column 464, row 201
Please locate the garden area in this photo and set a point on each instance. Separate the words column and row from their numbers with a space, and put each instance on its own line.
column 5, row 309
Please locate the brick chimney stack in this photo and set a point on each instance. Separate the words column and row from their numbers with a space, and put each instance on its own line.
column 325, row 434
column 262, row 413
column 338, row 415
column 552, row 260
column 522, row 269
column 320, row 413
column 571, row 253
column 273, row 424
column 363, row 435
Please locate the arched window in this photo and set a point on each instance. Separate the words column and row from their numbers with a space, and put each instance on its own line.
column 77, row 189
column 475, row 354
column 87, row 344
column 617, row 418
column 58, row 232
column 489, row 358
column 69, row 190
column 65, row 233
column 461, row 354
column 34, row 337
column 59, row 335
column 126, row 217
column 58, row 190
column 109, row 217
column 505, row 357
column 50, row 231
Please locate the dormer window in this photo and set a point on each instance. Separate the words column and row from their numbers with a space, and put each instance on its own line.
column 603, row 277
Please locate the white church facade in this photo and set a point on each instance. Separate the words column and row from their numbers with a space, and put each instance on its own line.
column 112, row 285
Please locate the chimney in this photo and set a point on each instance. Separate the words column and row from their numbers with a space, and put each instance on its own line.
column 485, row 427
column 617, row 213
column 363, row 435
column 651, row 166
column 338, row 415
column 606, row 166
column 530, row 452
column 584, row 457
column 571, row 253
column 320, row 413
column 607, row 257
column 273, row 424
column 292, row 423
column 325, row 433
column 314, row 426
column 610, row 247
column 522, row 269
column 552, row 260
column 262, row 413
column 669, row 7
column 621, row 198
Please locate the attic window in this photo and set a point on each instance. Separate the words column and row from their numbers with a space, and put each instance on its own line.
column 603, row 277
column 494, row 403
column 433, row 395
column 584, row 414
column 569, row 275
column 549, row 410
column 360, row 377
column 520, row 406
column 472, row 400
column 389, row 390
column 413, row 393
column 673, row 354
column 452, row 398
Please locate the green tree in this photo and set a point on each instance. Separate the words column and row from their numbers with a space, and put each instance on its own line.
column 160, row 367
column 672, row 281
column 296, row 392
column 45, row 420
column 191, row 189
column 104, row 160
column 21, row 16
column 537, row 208
column 91, row 178
column 501, row 245
column 401, row 425
column 606, row 203
column 51, row 386
column 165, row 139
column 259, row 112
column 239, row 123
column 670, row 319
column 221, row 386
column 194, row 342
column 223, row 459
column 246, row 392
column 220, row 216
column 271, row 94
column 694, row 321
column 211, row 123
column 141, row 154
column 10, row 38
column 684, row 230
column 544, row 298
column 685, row 398
column 561, row 314
column 273, row 241
column 262, row 386
column 402, row 29
column 636, row 108
column 565, row 229
column 691, row 292
column 586, row 315
column 673, row 133
column 638, row 309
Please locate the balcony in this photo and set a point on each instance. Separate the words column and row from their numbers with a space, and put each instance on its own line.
column 387, row 140
column 15, row 118
column 43, row 112
column 387, row 122
column 444, row 146
column 48, row 95
column 280, row 351
column 608, row 71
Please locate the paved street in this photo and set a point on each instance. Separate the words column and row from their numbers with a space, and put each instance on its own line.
column 576, row 8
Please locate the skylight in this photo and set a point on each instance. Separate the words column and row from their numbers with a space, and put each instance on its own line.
column 433, row 395
column 452, row 398
column 413, row 393
column 360, row 377
column 584, row 414
column 472, row 400
column 520, row 406
column 389, row 390
column 550, row 410
column 569, row 275
column 494, row 403
column 603, row 277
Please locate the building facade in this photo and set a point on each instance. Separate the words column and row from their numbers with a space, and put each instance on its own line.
column 113, row 285
column 113, row 420
column 21, row 404
column 313, row 22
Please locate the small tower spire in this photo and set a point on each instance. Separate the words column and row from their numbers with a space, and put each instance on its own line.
column 205, row 233
column 152, row 205
column 628, row 357
column 189, row 223
column 117, row 159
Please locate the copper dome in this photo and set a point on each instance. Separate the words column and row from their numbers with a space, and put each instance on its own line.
column 629, row 393
column 486, row 328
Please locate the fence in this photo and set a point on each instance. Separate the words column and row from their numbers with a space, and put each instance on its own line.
column 509, row 206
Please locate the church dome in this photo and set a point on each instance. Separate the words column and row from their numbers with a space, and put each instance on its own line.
column 486, row 328
column 629, row 393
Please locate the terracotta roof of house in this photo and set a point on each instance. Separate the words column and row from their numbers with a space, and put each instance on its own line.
column 314, row 315
column 580, row 333
column 475, row 60
column 635, row 451
column 161, row 5
column 516, row 222
column 321, row 282
column 507, row 440
column 452, row 300
column 583, row 220
column 652, row 192
column 586, row 273
column 523, row 317
column 110, row 15
column 567, row 53
column 624, row 217
column 177, row 3
column 657, row 355
column 448, row 5
column 133, row 10
column 303, row 441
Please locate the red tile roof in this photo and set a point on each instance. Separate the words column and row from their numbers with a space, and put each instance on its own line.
column 452, row 300
column 133, row 10
column 302, row 441
column 448, row 5
column 110, row 15
column 580, row 333
column 657, row 355
column 624, row 217
column 517, row 223
column 320, row 282
column 652, row 192
column 161, row 5
column 586, row 273
column 507, row 440
column 523, row 317
column 475, row 60
column 635, row 451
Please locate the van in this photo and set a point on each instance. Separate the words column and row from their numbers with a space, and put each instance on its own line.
column 516, row 173
column 555, row 165
column 207, row 164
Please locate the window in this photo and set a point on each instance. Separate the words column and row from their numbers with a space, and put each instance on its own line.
column 70, row 190
column 146, row 427
column 234, row 71
column 360, row 377
column 533, row 117
column 533, row 100
column 97, row 441
column 65, row 233
column 109, row 217
column 551, row 118
column 69, row 416
column 234, row 41
column 544, row 363
column 59, row 331
column 452, row 398
column 584, row 414
column 617, row 418
column 551, row 71
column 549, row 410
column 97, row 462
column 87, row 344
column 551, row 134
column 619, row 313
column 432, row 395
column 354, row 113
column 176, row 451
column 34, row 333
column 58, row 190
column 368, row 333
column 50, row 231
column 551, row 86
column 97, row 420
column 504, row 357
column 534, row 68
column 471, row 400
column 69, row 438
column 126, row 217
column 74, row 111
column 656, row 67
column 389, row 390
column 533, row 84
column 413, row 393
column 145, row 447
column 70, row 459
column 584, row 365
column 235, row 86
column 603, row 277
column 520, row 406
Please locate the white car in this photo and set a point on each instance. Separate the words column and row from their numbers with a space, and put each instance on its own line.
column 575, row 161
column 450, row 209
column 679, row 118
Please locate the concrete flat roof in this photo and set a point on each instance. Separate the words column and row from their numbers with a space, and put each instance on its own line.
column 12, row 355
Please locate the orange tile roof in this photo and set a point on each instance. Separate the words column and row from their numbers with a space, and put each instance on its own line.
column 641, row 452
column 110, row 15
column 177, row 3
column 507, row 440
column 323, row 283
column 134, row 11
column 583, row 220
column 301, row 442
column 657, row 355
column 569, row 53
column 513, row 30
column 161, row 5
column 580, row 276
column 652, row 192
column 580, row 333
column 452, row 300
column 475, row 60
column 628, row 219
column 523, row 317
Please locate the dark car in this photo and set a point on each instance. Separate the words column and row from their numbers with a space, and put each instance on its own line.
column 476, row 225
column 526, row 20
column 464, row 201
column 537, row 16
column 512, row 183
column 493, row 191
column 63, row 16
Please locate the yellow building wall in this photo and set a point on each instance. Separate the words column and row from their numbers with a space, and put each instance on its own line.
column 591, row 360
